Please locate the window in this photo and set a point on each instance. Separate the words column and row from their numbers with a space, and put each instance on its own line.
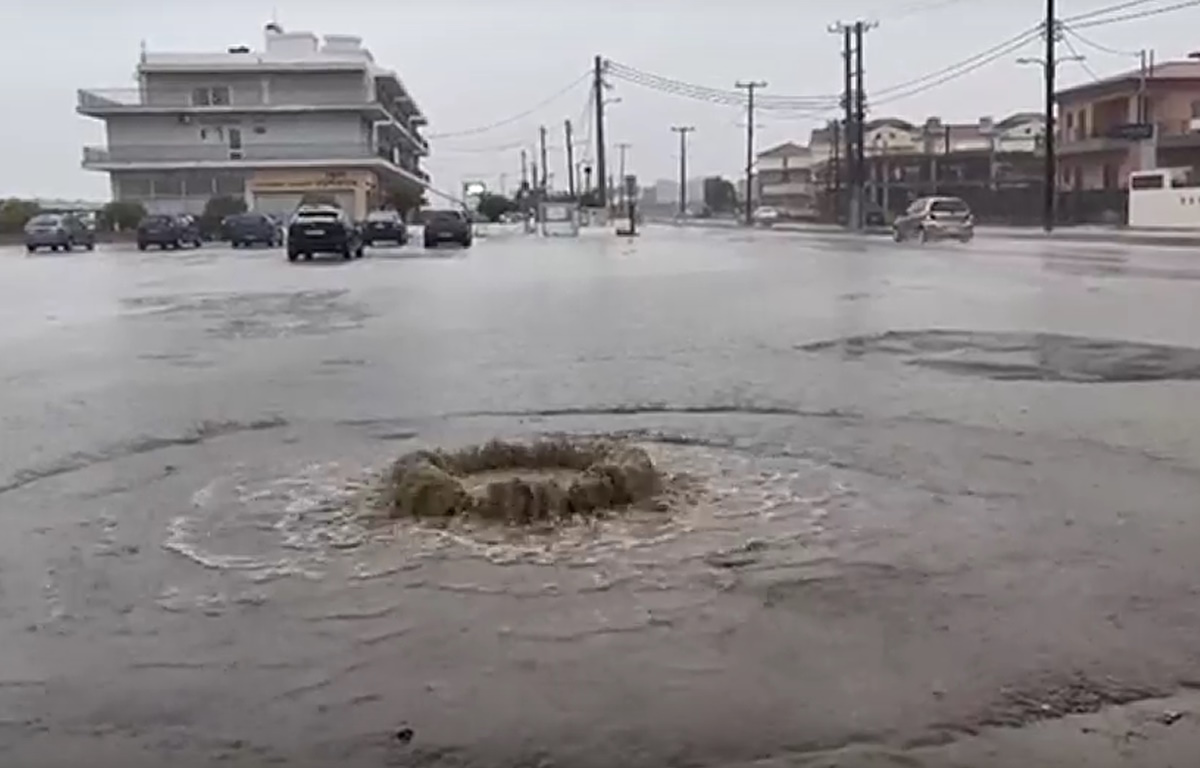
column 1146, row 181
column 1196, row 109
column 213, row 96
column 1110, row 176
column 1083, row 126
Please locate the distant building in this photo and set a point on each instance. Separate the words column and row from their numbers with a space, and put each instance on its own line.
column 299, row 116
column 1095, row 152
column 784, row 179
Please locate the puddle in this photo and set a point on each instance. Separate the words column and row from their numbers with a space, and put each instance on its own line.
column 737, row 511
column 1023, row 356
column 256, row 315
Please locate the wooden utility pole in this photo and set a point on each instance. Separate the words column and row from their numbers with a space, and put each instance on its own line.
column 1050, row 180
column 683, row 131
column 598, row 96
column 750, row 87
column 570, row 159
column 545, row 166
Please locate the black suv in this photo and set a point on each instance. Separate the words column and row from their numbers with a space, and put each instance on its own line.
column 250, row 228
column 385, row 226
column 323, row 229
column 447, row 226
column 168, row 231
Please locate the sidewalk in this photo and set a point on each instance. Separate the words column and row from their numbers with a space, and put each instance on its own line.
column 1068, row 234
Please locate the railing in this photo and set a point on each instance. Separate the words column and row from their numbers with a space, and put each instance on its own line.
column 106, row 99
column 170, row 153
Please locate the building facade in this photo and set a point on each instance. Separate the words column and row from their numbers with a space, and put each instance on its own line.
column 301, row 116
column 991, row 163
column 784, row 179
column 1095, row 152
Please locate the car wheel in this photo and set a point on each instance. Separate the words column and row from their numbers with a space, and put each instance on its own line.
column 897, row 234
column 293, row 255
column 466, row 243
column 141, row 246
column 358, row 254
column 307, row 256
column 368, row 243
column 923, row 235
column 347, row 253
column 31, row 248
column 967, row 238
column 429, row 243
column 91, row 246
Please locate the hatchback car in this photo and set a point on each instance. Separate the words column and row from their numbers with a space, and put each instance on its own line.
column 246, row 229
column 765, row 216
column 168, row 231
column 935, row 218
column 55, row 231
column 385, row 226
column 447, row 226
column 323, row 229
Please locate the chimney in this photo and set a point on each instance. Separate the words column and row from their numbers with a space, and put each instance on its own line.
column 986, row 124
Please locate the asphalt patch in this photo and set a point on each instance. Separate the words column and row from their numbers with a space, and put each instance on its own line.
column 1023, row 356
column 257, row 315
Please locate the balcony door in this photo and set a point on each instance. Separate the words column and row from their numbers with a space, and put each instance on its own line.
column 235, row 143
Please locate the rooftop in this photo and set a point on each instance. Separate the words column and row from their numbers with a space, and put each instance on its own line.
column 1165, row 72
column 281, row 50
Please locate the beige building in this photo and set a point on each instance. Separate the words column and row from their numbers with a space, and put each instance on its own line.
column 1092, row 152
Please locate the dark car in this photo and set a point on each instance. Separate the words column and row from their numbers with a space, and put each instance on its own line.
column 385, row 226
column 245, row 229
column 323, row 229
column 56, row 231
column 448, row 226
column 168, row 231
column 935, row 218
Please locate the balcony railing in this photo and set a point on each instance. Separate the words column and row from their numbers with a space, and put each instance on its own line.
column 187, row 153
column 102, row 99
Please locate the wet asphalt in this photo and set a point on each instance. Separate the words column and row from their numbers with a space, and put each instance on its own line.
column 941, row 488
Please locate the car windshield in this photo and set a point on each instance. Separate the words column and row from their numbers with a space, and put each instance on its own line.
column 317, row 216
column 382, row 216
column 157, row 220
column 246, row 218
column 46, row 220
column 444, row 216
column 949, row 206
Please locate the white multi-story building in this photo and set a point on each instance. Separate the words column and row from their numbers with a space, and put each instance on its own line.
column 300, row 116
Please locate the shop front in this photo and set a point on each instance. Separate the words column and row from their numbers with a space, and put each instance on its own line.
column 281, row 191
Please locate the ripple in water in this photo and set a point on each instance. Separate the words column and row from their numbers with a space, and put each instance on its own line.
column 733, row 510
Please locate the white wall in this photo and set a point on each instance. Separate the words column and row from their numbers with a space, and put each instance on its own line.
column 164, row 137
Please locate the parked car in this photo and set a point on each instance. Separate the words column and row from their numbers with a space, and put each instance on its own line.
column 447, row 226
column 56, row 231
column 323, row 229
column 935, row 218
column 385, row 226
column 168, row 231
column 245, row 229
column 765, row 215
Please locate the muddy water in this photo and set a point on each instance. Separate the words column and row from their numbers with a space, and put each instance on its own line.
column 899, row 535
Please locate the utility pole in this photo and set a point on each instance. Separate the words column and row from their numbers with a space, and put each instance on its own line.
column 570, row 160
column 524, row 169
column 1051, row 171
column 545, row 167
column 601, row 169
column 683, row 131
column 750, row 87
column 852, row 169
column 837, row 170
column 622, row 148
column 860, row 118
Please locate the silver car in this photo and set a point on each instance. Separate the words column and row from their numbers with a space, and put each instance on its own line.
column 935, row 218
column 56, row 231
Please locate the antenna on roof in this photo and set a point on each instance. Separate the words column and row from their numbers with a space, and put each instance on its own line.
column 143, row 49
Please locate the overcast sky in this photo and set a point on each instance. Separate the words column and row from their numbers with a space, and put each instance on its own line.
column 474, row 62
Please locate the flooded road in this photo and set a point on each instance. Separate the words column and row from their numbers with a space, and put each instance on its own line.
column 942, row 491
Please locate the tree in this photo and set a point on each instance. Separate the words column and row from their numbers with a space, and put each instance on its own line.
column 493, row 206
column 15, row 214
column 121, row 215
column 720, row 196
column 406, row 199
column 216, row 210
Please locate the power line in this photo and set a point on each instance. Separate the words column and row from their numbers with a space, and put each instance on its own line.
column 706, row 93
column 1079, row 58
column 1012, row 46
column 1002, row 47
column 1137, row 14
column 514, row 118
column 1107, row 9
column 1099, row 47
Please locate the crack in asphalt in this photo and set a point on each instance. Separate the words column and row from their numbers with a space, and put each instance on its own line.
column 74, row 462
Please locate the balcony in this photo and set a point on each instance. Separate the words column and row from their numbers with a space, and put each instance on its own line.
column 221, row 155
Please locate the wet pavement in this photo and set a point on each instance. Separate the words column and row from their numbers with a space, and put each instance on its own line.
column 946, row 492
